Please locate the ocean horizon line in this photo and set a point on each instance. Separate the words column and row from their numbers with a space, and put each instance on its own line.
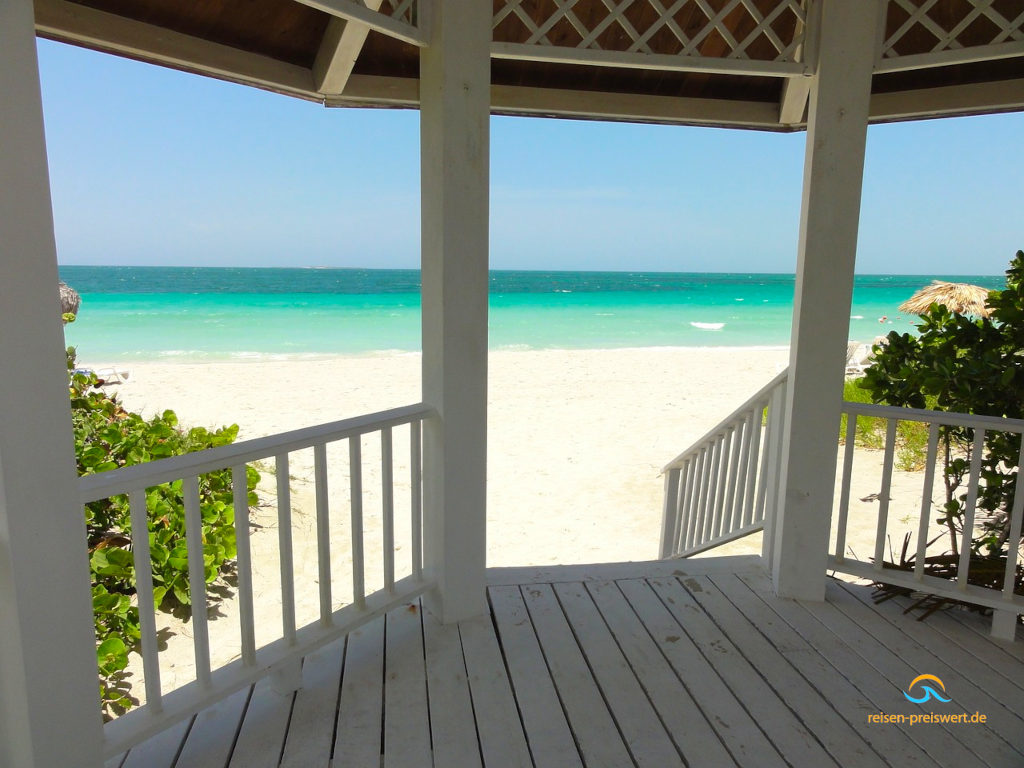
column 533, row 270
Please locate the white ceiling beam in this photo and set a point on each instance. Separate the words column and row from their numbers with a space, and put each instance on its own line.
column 79, row 24
column 626, row 60
column 974, row 98
column 352, row 10
column 509, row 99
column 338, row 52
column 951, row 56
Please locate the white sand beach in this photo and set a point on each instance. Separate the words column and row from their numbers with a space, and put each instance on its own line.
column 576, row 443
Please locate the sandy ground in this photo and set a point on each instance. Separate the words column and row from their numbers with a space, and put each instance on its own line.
column 576, row 443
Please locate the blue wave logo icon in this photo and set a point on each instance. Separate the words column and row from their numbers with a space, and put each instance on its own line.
column 929, row 691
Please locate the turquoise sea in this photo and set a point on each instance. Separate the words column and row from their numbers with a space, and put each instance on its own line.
column 214, row 313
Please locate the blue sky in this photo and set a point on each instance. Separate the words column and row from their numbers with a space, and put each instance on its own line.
column 153, row 166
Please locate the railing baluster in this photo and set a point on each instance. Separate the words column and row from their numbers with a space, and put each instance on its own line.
column 670, row 513
column 704, row 500
column 926, row 499
column 682, row 495
column 284, row 543
column 844, row 494
column 754, row 441
column 711, row 518
column 765, row 461
column 416, row 469
column 197, row 579
column 720, row 509
column 355, row 462
column 972, row 505
column 1013, row 540
column 388, row 508
column 685, row 503
column 734, row 466
column 693, row 510
column 883, row 496
column 741, row 477
column 240, row 491
column 773, row 463
column 323, row 530
column 144, row 594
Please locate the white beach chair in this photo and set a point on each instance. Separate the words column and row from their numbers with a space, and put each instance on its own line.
column 858, row 357
column 112, row 375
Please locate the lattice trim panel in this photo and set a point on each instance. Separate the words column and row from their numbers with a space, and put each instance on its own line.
column 916, row 27
column 751, row 30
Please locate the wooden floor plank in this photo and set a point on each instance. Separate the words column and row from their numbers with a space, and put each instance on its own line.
column 975, row 669
column 686, row 724
column 502, row 740
column 311, row 731
column 891, row 649
column 212, row 736
column 406, row 718
column 592, row 724
column 982, row 625
column 642, row 729
column 264, row 728
column 547, row 731
column 739, row 733
column 845, row 698
column 452, row 727
column 972, row 633
column 358, row 738
column 814, row 710
column 793, row 740
column 885, row 693
column 161, row 750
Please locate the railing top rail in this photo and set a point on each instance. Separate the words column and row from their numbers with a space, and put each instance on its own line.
column 943, row 417
column 761, row 394
column 142, row 476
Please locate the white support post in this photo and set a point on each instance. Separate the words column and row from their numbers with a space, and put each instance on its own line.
column 454, row 147
column 49, row 695
column 833, row 171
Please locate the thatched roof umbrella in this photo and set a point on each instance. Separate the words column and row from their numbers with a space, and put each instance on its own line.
column 70, row 301
column 962, row 298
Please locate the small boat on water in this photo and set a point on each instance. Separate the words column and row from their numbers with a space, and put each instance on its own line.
column 708, row 326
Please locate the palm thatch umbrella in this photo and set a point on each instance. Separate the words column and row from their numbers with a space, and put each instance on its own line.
column 962, row 298
column 70, row 301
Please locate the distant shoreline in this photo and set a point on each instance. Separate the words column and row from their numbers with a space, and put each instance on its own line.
column 254, row 359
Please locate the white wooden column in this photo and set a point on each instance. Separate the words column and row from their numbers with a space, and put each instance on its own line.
column 833, row 170
column 454, row 157
column 49, row 694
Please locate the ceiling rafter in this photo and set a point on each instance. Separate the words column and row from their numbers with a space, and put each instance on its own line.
column 338, row 52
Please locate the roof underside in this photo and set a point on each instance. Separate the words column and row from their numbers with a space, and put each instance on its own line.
column 724, row 62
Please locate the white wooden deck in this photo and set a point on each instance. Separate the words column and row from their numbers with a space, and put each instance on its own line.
column 652, row 664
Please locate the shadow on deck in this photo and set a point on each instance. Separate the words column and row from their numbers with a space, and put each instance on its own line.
column 658, row 664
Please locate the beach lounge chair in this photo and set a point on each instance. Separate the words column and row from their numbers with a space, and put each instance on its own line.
column 112, row 375
column 109, row 375
column 858, row 357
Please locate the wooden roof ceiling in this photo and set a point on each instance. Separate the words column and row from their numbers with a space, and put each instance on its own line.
column 581, row 60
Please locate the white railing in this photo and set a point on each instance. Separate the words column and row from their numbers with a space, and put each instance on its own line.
column 283, row 654
column 725, row 485
column 1004, row 602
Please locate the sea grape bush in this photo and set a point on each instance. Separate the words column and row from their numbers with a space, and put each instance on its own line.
column 108, row 436
column 967, row 365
